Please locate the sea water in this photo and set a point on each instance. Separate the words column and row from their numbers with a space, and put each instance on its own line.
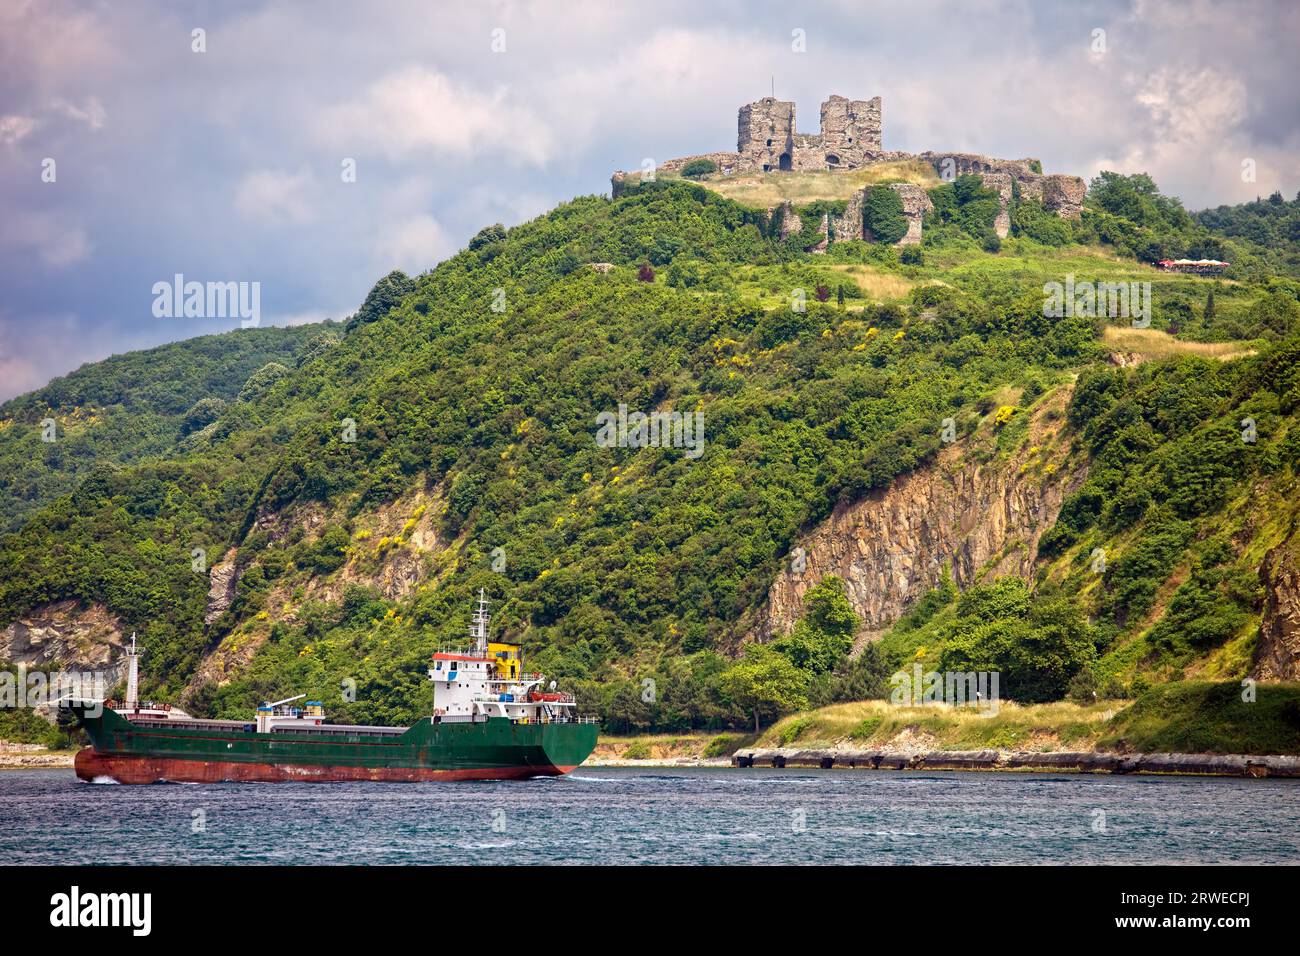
column 659, row 816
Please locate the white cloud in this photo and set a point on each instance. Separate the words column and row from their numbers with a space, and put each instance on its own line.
column 276, row 198
column 412, row 245
column 92, row 113
column 1193, row 107
column 15, row 128
column 417, row 111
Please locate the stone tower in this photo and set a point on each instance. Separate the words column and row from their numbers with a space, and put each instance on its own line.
column 765, row 138
column 850, row 130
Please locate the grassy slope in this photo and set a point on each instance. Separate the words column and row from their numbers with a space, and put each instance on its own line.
column 1202, row 717
column 760, row 191
column 877, row 723
column 1192, row 717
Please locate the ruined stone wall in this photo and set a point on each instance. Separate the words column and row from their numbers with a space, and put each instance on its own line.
column 1064, row 195
column 850, row 131
column 1001, row 184
column 1058, row 193
column 916, row 204
column 767, row 139
column 727, row 163
column 765, row 133
column 850, row 225
column 951, row 165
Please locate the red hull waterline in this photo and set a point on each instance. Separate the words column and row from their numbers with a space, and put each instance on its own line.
column 93, row 766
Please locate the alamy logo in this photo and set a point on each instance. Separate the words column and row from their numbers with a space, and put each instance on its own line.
column 1090, row 300
column 75, row 908
column 655, row 430
column 20, row 688
column 208, row 300
column 977, row 689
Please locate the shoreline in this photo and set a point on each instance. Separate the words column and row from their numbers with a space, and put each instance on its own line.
column 1272, row 766
column 34, row 757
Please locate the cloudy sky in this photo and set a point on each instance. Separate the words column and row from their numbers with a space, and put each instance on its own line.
column 228, row 164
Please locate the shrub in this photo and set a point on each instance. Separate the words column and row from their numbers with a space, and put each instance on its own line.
column 637, row 750
column 261, row 380
column 488, row 234
column 201, row 414
column 721, row 745
column 699, row 167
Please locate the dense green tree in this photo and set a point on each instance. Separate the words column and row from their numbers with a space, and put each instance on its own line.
column 765, row 682
column 882, row 212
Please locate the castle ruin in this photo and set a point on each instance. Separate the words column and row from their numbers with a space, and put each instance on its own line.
column 767, row 141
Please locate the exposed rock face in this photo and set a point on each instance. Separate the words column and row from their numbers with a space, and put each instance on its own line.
column 891, row 547
column 916, row 203
column 388, row 551
column 1277, row 655
column 67, row 635
column 222, row 580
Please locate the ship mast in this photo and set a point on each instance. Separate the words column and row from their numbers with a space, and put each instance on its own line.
column 478, row 628
column 132, row 677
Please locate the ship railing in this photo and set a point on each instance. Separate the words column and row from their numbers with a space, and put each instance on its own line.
column 139, row 705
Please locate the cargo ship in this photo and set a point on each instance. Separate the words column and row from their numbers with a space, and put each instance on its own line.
column 490, row 721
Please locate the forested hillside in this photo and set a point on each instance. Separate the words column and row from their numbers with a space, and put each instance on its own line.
column 356, row 494
column 127, row 407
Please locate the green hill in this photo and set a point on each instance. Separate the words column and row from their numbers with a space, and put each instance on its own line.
column 448, row 442
column 126, row 408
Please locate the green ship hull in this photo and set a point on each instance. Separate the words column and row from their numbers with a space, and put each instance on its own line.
column 192, row 751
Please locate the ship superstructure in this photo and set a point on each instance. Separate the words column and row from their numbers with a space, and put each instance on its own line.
column 488, row 681
column 133, row 707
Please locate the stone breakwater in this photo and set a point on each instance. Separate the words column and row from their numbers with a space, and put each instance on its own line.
column 1219, row 765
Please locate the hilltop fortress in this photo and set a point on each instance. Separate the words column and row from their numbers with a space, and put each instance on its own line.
column 767, row 141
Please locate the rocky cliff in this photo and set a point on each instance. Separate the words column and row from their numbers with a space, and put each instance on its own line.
column 1277, row 654
column 65, row 634
column 971, row 512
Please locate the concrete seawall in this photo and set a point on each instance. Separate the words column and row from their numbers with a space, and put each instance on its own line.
column 1219, row 765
